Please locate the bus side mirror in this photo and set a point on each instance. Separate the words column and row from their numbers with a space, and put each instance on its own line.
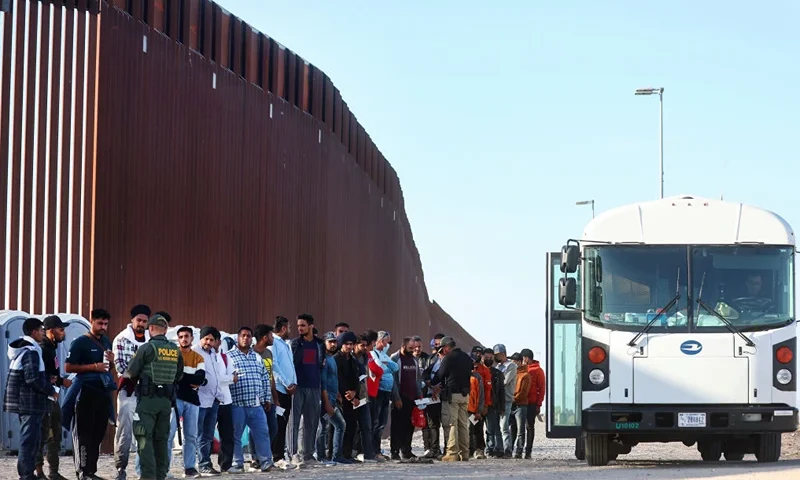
column 567, row 291
column 569, row 258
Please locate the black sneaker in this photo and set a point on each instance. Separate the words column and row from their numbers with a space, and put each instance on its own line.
column 208, row 472
column 191, row 473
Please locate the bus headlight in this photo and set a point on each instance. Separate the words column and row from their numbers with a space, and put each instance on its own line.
column 597, row 376
column 783, row 376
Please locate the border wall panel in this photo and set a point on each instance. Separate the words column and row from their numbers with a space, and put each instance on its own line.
column 237, row 186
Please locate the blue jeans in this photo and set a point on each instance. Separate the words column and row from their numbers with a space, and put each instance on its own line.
column 337, row 420
column 272, row 423
column 189, row 414
column 494, row 440
column 505, row 429
column 520, row 413
column 380, row 415
column 30, row 435
column 255, row 419
column 206, row 424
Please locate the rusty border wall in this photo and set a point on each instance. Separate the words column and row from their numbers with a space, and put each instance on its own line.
column 166, row 152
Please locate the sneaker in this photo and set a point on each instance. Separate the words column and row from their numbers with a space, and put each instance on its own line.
column 191, row 473
column 121, row 475
column 395, row 456
column 409, row 456
column 343, row 461
column 369, row 460
column 267, row 466
column 208, row 472
column 236, row 469
column 284, row 465
column 480, row 455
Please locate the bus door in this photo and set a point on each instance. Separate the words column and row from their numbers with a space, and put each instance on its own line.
column 563, row 396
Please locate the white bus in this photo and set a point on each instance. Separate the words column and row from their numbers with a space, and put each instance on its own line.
column 674, row 321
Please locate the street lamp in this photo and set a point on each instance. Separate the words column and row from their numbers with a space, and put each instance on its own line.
column 587, row 202
column 660, row 93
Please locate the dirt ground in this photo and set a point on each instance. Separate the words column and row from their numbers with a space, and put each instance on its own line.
column 790, row 445
column 553, row 458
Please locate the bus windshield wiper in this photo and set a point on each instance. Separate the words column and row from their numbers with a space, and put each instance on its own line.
column 661, row 313
column 652, row 322
column 719, row 316
column 727, row 322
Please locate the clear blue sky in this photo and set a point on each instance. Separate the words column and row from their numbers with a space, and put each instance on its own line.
column 498, row 118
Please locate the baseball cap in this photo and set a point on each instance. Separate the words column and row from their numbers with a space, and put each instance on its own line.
column 158, row 320
column 448, row 341
column 329, row 336
column 53, row 321
column 516, row 356
column 499, row 348
column 477, row 349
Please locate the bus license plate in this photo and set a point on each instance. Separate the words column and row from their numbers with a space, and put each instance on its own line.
column 691, row 420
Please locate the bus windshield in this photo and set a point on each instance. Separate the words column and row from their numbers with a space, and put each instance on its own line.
column 625, row 287
column 751, row 286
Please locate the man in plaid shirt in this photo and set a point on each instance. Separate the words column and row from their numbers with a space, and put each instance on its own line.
column 125, row 346
column 251, row 396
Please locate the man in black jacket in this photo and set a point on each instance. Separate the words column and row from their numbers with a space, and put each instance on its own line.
column 455, row 373
column 27, row 392
column 51, row 426
column 349, row 372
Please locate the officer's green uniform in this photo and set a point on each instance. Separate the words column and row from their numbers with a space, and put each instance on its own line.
column 158, row 365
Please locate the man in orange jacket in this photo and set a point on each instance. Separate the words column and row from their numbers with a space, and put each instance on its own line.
column 519, row 408
column 478, row 444
column 535, row 396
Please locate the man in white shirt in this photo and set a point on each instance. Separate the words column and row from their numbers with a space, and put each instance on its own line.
column 214, row 393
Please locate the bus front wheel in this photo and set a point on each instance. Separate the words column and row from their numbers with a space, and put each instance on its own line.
column 597, row 454
column 768, row 447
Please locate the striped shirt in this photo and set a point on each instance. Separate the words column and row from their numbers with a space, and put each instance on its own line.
column 253, row 387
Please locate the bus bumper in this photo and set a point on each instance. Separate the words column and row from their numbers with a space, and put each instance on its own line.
column 689, row 419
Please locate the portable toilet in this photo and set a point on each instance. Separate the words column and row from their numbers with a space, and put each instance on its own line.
column 10, row 329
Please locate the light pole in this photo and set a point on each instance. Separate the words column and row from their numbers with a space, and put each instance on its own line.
column 660, row 93
column 587, row 202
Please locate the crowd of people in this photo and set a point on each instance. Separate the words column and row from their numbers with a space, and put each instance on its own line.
column 293, row 401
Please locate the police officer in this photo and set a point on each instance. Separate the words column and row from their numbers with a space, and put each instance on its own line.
column 158, row 365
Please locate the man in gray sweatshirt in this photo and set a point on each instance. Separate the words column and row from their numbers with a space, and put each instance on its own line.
column 509, row 370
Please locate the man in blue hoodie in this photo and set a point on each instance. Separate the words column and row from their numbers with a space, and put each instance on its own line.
column 27, row 393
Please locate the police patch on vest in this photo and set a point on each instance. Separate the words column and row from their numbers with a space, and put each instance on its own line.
column 168, row 354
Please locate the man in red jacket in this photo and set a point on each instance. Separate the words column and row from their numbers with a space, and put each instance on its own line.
column 535, row 397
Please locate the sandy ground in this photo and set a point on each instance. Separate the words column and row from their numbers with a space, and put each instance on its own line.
column 552, row 459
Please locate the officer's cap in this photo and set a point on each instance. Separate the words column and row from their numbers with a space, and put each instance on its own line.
column 158, row 320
